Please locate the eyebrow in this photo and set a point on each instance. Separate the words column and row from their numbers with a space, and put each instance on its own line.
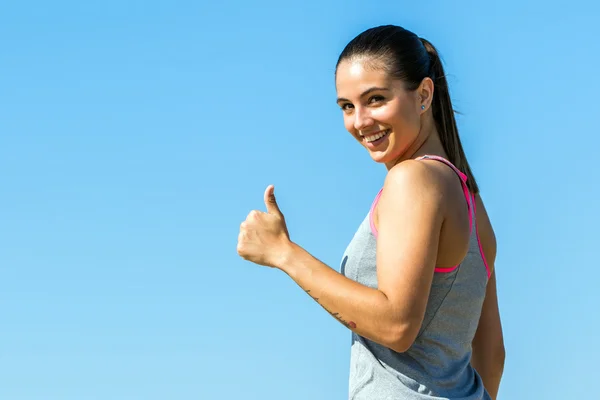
column 366, row 92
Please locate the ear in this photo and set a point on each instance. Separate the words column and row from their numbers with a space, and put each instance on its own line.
column 425, row 94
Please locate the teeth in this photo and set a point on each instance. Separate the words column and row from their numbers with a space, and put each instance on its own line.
column 376, row 136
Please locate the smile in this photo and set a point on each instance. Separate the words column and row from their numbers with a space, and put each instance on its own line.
column 376, row 137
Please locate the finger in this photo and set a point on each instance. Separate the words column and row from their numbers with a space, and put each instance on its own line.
column 253, row 215
column 271, row 202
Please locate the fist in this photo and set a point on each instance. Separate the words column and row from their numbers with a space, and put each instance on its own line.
column 264, row 237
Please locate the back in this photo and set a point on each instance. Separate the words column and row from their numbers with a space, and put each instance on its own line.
column 437, row 366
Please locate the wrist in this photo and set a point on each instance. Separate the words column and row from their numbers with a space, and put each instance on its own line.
column 285, row 257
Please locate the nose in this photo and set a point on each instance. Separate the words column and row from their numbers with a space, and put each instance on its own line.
column 362, row 119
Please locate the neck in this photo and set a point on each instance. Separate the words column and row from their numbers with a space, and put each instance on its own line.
column 427, row 142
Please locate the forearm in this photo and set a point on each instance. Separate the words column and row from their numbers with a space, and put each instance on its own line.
column 490, row 366
column 364, row 310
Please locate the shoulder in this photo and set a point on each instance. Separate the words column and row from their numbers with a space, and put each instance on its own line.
column 419, row 180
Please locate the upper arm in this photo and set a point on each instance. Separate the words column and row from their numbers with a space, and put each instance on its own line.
column 489, row 335
column 489, row 340
column 410, row 215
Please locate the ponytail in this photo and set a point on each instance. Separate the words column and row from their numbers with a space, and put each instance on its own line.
column 443, row 115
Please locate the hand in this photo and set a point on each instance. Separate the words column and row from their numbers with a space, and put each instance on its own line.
column 264, row 237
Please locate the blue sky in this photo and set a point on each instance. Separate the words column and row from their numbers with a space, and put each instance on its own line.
column 136, row 136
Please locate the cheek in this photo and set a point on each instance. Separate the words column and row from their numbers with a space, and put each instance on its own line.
column 349, row 125
column 411, row 114
column 404, row 121
column 386, row 115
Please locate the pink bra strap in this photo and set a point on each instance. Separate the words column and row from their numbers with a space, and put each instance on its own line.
column 470, row 204
column 463, row 179
column 466, row 192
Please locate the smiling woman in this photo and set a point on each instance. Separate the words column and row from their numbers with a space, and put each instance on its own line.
column 417, row 287
column 374, row 97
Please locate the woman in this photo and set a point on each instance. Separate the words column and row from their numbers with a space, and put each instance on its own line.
column 417, row 286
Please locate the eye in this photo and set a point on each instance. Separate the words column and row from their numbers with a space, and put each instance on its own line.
column 346, row 106
column 376, row 99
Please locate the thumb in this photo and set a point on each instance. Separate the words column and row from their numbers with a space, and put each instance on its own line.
column 270, row 202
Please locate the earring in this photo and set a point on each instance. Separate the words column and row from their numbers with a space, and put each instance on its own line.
column 423, row 107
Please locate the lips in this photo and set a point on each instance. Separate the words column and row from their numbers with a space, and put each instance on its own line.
column 376, row 136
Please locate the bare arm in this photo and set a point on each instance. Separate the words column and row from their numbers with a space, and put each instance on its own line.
column 488, row 343
column 410, row 217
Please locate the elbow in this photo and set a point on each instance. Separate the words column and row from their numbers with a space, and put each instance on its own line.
column 400, row 346
column 501, row 356
column 402, row 336
column 494, row 357
column 498, row 353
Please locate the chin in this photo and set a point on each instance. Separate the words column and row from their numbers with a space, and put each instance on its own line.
column 380, row 157
column 384, row 156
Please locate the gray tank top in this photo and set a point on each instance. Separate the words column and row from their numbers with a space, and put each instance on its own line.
column 437, row 365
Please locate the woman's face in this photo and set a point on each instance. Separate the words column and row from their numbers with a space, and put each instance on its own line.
column 378, row 111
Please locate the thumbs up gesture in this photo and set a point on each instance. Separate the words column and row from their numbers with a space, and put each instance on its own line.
column 264, row 237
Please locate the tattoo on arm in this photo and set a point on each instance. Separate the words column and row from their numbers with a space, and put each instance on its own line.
column 347, row 324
